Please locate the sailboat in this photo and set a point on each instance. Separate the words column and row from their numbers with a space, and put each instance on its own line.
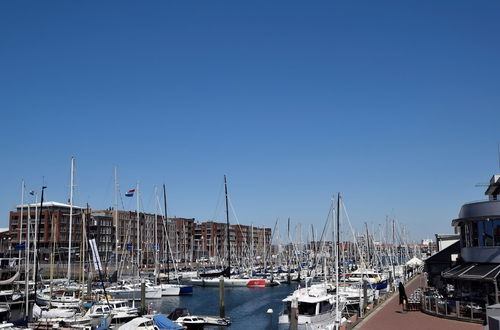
column 212, row 278
column 314, row 305
column 65, row 297
column 169, row 289
column 132, row 291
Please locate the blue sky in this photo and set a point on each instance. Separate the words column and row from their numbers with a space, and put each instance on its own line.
column 395, row 104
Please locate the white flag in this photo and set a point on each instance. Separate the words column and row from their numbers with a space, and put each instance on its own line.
column 95, row 254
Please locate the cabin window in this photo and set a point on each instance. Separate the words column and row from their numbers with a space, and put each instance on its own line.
column 325, row 306
column 307, row 309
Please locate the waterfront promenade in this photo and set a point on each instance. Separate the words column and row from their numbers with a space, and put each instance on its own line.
column 389, row 317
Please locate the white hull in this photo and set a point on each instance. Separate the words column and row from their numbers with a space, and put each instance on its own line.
column 170, row 289
column 230, row 282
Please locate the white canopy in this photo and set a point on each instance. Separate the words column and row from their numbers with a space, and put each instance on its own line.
column 414, row 262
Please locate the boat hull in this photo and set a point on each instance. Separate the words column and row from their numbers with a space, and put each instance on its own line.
column 231, row 282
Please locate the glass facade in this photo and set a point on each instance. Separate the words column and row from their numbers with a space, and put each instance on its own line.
column 481, row 233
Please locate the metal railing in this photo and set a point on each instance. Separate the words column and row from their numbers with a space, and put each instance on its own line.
column 455, row 309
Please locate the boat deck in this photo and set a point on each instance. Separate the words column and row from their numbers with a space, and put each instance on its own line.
column 390, row 317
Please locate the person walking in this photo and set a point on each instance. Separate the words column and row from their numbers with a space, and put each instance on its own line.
column 403, row 299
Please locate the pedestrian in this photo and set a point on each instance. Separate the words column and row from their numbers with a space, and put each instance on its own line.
column 403, row 299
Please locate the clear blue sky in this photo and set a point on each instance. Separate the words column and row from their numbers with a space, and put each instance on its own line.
column 396, row 104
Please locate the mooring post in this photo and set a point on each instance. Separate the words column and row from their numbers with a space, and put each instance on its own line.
column 270, row 313
column 294, row 314
column 365, row 295
column 143, row 296
column 221, row 297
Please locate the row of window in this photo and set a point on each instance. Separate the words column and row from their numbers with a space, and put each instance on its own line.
column 480, row 233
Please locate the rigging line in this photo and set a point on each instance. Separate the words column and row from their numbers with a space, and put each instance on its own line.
column 352, row 231
column 247, row 246
column 214, row 217
column 325, row 226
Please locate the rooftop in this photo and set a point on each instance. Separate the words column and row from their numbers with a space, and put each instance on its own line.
column 48, row 204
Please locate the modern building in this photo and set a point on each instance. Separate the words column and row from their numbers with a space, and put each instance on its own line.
column 471, row 284
column 51, row 225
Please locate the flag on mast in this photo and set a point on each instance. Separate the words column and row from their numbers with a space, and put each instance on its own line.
column 130, row 193
column 95, row 255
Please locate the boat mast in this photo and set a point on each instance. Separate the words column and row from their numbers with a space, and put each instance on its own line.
column 137, row 234
column 116, row 222
column 227, row 222
column 165, row 221
column 35, row 239
column 21, row 220
column 337, row 252
column 70, row 216
column 38, row 237
column 156, row 235
column 27, row 261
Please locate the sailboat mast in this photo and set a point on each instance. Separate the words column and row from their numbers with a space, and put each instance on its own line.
column 21, row 218
column 227, row 222
column 70, row 217
column 27, row 262
column 38, row 237
column 337, row 319
column 35, row 239
column 116, row 221
column 165, row 221
column 137, row 233
column 156, row 235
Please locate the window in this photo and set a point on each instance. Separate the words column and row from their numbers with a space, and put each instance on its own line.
column 325, row 306
column 496, row 231
column 307, row 308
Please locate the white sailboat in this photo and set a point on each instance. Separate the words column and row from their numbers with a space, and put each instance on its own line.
column 212, row 279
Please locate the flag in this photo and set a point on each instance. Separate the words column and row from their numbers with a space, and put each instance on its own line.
column 130, row 247
column 95, row 255
column 32, row 192
column 130, row 193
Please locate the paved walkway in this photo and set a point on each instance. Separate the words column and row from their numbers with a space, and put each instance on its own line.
column 390, row 317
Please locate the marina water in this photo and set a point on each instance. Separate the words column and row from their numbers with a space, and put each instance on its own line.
column 246, row 307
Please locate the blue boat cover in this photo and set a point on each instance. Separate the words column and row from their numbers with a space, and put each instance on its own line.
column 163, row 322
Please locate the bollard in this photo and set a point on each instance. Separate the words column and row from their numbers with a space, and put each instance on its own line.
column 270, row 313
column 294, row 314
column 365, row 295
column 89, row 284
column 143, row 297
column 221, row 297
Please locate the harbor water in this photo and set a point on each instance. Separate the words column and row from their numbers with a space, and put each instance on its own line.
column 246, row 307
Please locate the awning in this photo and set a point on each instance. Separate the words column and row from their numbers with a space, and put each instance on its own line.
column 473, row 272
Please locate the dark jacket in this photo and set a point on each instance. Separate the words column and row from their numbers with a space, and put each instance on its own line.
column 402, row 293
